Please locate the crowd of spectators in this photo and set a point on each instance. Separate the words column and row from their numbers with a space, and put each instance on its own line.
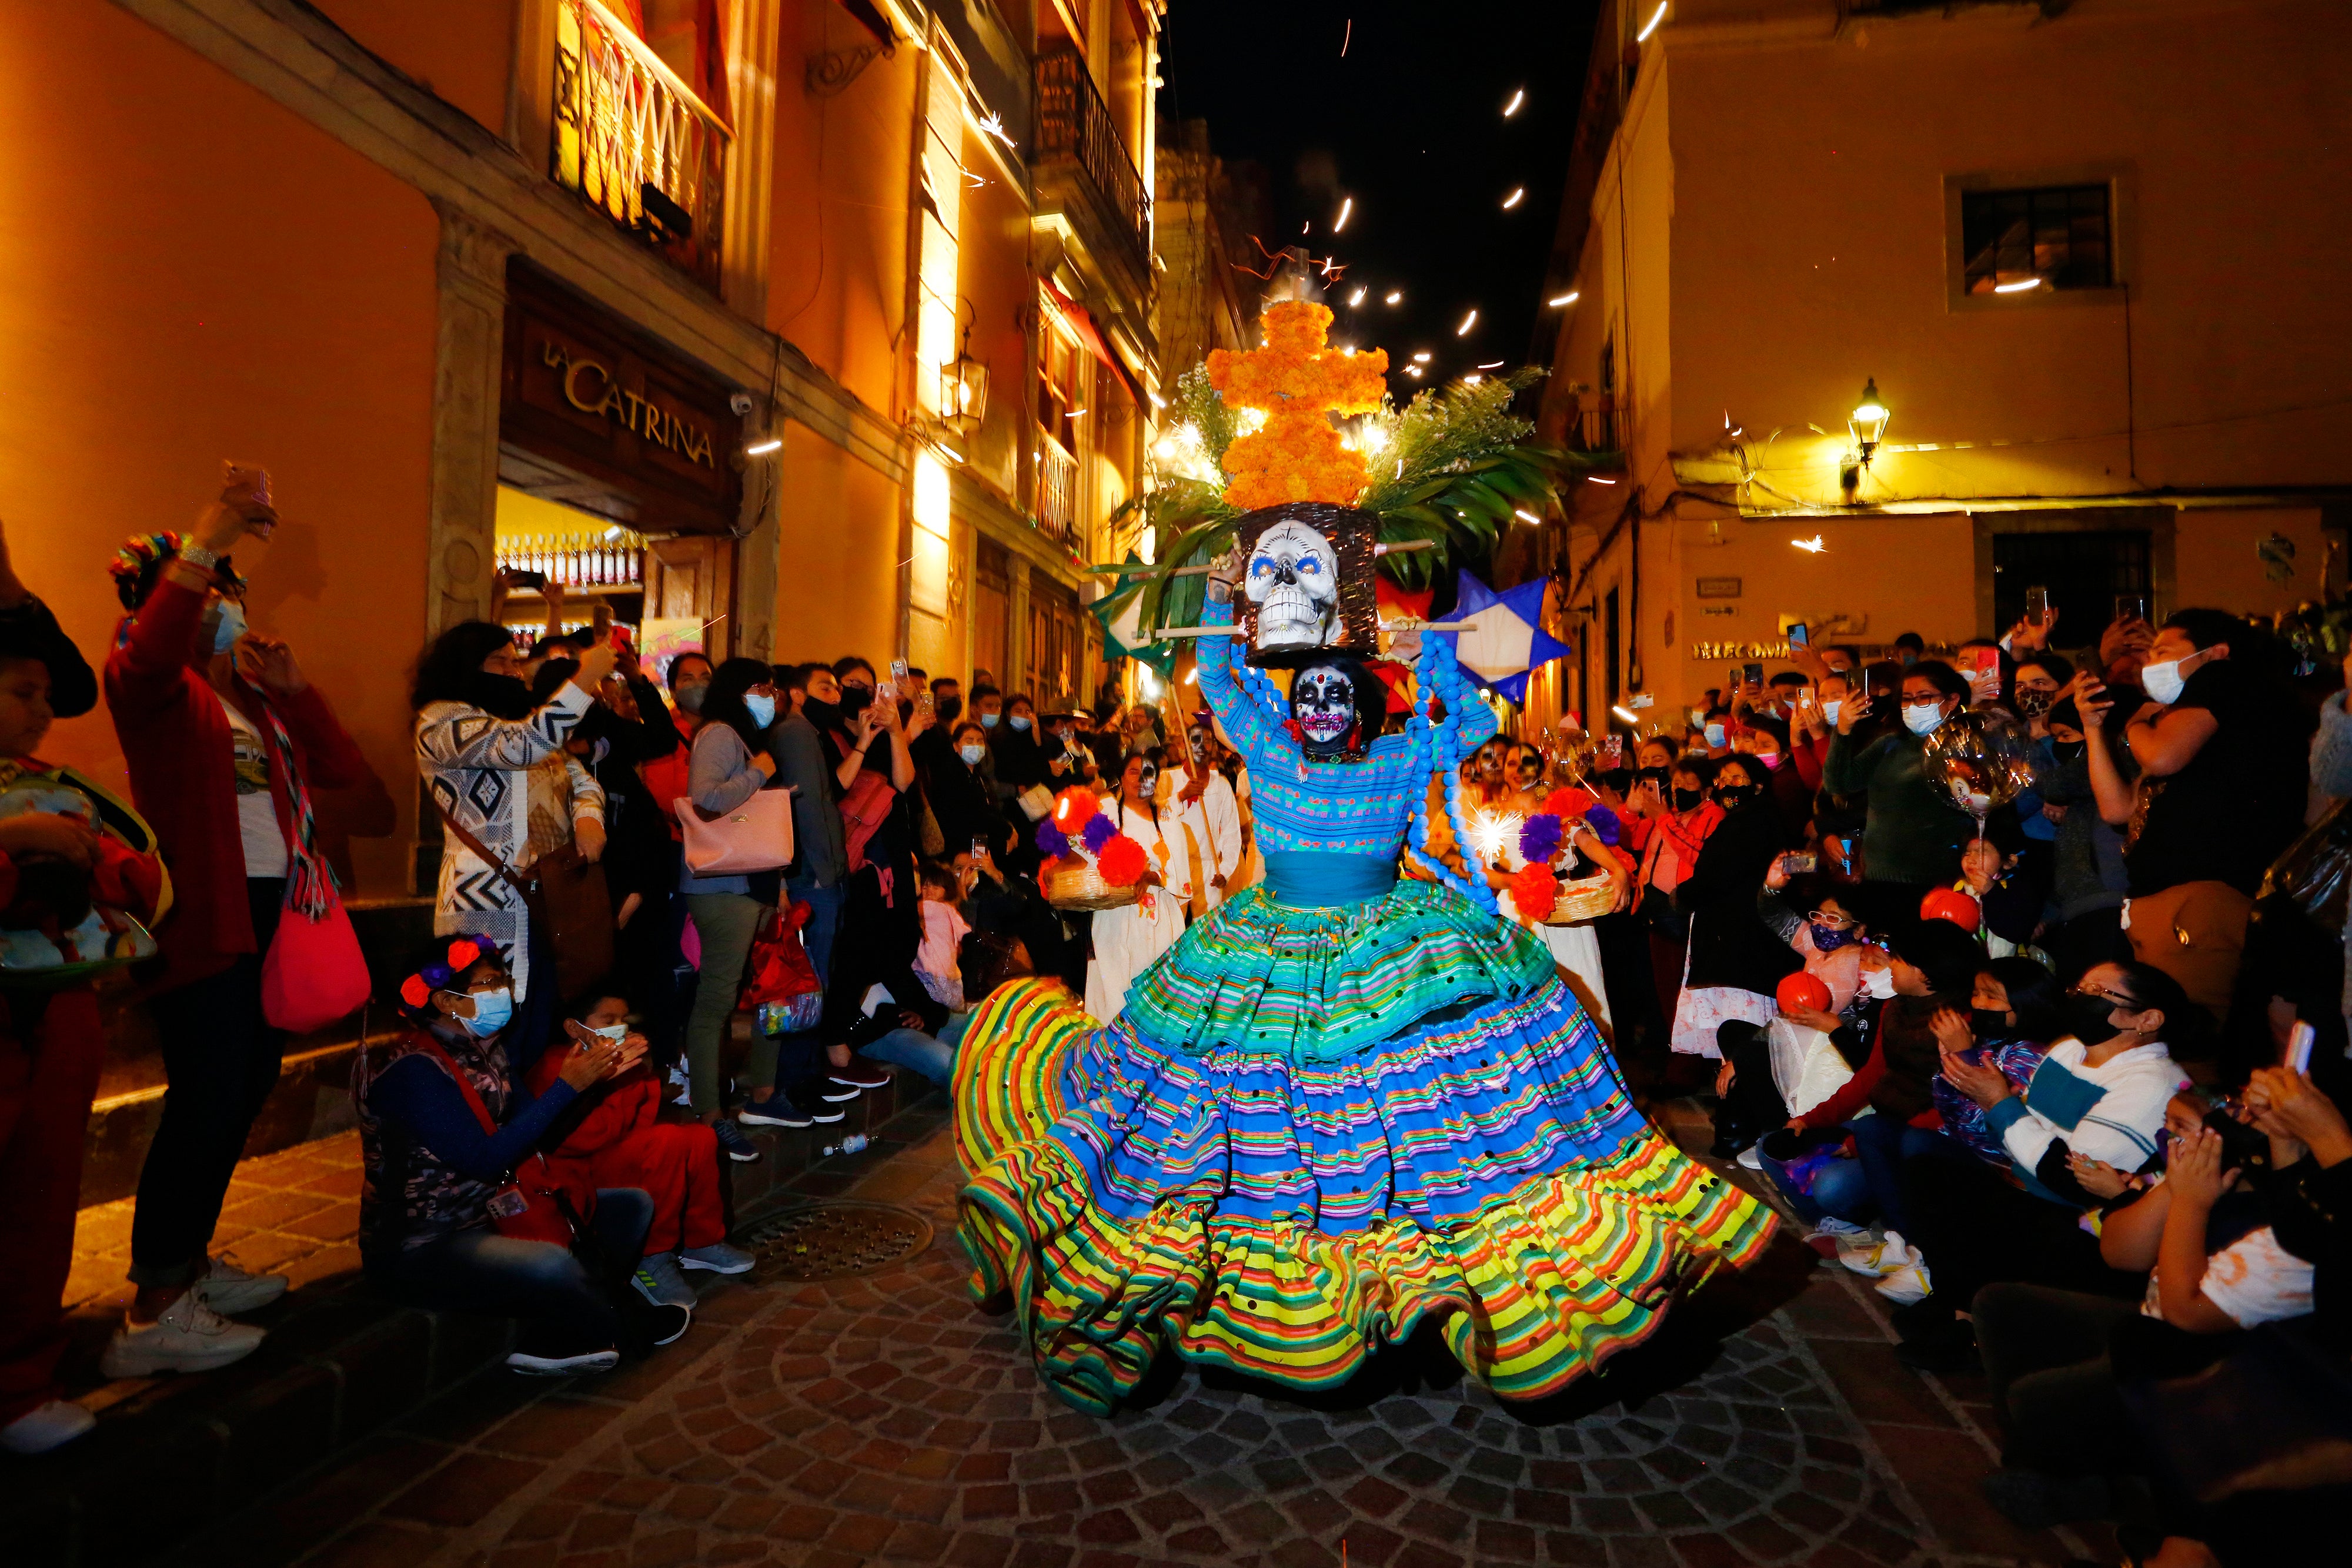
column 2064, row 1080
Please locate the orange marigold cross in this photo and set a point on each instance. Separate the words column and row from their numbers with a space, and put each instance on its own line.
column 1296, row 455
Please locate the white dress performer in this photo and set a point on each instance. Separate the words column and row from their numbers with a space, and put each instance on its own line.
column 1130, row 938
column 1213, row 825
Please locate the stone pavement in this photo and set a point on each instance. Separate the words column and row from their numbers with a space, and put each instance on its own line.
column 882, row 1419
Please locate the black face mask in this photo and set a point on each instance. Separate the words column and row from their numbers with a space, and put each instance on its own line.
column 824, row 716
column 1731, row 797
column 2069, row 751
column 1687, row 799
column 855, row 700
column 2086, row 1019
column 949, row 707
column 500, row 696
column 1988, row 1025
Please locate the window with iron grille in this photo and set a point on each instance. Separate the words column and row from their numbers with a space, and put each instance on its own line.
column 2048, row 237
column 2085, row 571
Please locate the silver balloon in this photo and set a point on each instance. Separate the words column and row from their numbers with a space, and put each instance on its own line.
column 1980, row 761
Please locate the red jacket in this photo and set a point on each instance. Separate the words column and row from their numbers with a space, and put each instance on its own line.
column 180, row 749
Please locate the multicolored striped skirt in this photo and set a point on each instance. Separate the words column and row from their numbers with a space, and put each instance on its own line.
column 1310, row 1131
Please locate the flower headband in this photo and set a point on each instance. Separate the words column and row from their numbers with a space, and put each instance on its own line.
column 144, row 554
column 463, row 954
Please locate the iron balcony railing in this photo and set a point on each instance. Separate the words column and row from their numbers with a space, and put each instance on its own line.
column 1057, row 491
column 1073, row 123
column 1596, row 425
column 635, row 141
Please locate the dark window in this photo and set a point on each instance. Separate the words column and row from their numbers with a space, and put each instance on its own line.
column 2082, row 570
column 2056, row 234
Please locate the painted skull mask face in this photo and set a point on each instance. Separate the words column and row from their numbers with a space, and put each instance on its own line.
column 1323, row 701
column 1294, row 580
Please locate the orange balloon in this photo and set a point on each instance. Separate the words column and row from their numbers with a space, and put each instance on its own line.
column 1801, row 991
column 1951, row 903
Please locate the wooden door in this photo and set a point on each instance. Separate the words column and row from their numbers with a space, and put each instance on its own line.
column 991, row 612
column 693, row 577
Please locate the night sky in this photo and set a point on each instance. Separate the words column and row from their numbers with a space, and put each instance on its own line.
column 1410, row 123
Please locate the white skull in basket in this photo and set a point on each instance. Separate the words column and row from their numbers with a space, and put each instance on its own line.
column 1294, row 580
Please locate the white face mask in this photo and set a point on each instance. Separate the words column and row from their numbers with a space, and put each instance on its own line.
column 615, row 1032
column 1879, row 983
column 1829, row 709
column 1922, row 720
column 2163, row 682
column 973, row 753
column 1713, row 735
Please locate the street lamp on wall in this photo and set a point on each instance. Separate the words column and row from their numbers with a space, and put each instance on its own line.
column 1868, row 423
column 963, row 390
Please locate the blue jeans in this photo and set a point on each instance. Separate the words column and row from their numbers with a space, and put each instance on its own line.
column 800, row 1057
column 1840, row 1190
column 932, row 1056
column 562, row 1308
column 1881, row 1143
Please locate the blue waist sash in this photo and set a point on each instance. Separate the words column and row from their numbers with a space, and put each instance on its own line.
column 1311, row 879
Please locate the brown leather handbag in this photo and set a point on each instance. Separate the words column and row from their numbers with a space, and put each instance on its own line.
column 568, row 900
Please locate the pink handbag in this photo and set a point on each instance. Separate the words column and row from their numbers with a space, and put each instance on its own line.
column 755, row 836
column 313, row 973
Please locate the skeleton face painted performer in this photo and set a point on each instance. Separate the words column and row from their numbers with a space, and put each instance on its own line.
column 1340, row 1105
column 1294, row 580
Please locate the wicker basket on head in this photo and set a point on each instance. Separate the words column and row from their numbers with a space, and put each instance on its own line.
column 1074, row 883
column 1587, row 900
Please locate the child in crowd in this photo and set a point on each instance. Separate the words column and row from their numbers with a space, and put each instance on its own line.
column 943, row 932
column 617, row 1139
column 67, row 850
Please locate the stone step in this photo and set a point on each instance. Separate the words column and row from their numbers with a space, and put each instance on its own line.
column 172, row 1454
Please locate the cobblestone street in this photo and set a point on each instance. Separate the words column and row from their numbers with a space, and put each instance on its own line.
column 882, row 1419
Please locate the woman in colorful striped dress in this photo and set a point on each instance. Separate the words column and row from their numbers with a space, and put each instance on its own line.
column 1340, row 1105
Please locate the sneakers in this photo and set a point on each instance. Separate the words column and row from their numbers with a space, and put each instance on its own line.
column 775, row 1110
column 188, row 1337
column 657, row 1280
column 45, row 1427
column 1885, row 1257
column 719, row 1258
column 820, row 1102
column 733, row 1144
column 859, row 1074
column 533, row 1365
column 668, row 1325
column 230, row 1291
column 1906, row 1284
column 1751, row 1158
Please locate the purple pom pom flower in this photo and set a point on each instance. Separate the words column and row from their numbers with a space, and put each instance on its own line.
column 1099, row 831
column 1051, row 842
column 1605, row 825
column 1539, row 838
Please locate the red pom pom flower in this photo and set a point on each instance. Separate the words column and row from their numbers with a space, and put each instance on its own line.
column 1074, row 808
column 1535, row 890
column 1121, row 861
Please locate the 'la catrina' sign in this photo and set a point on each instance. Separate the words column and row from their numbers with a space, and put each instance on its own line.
column 1308, row 587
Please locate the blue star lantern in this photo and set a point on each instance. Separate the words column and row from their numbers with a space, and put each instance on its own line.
column 1506, row 639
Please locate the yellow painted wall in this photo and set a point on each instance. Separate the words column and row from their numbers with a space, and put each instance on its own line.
column 837, row 236
column 836, row 592
column 2215, row 563
column 461, row 50
column 1809, row 253
column 191, row 275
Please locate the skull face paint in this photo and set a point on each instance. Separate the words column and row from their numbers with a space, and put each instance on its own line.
column 1294, row 580
column 1323, row 702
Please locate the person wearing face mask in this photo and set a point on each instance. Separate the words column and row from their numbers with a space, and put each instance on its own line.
column 1020, row 760
column 444, row 1117
column 1130, row 938
column 960, row 795
column 934, row 748
column 616, row 1138
column 689, row 678
column 868, row 744
column 496, row 766
column 2088, row 884
column 2095, row 1103
column 818, row 877
column 730, row 764
column 1735, row 959
column 1670, row 822
column 1912, row 834
column 2221, row 748
column 1828, row 942
column 225, row 738
column 1814, row 725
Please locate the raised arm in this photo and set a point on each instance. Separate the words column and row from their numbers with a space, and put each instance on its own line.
column 457, row 735
column 1245, row 723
